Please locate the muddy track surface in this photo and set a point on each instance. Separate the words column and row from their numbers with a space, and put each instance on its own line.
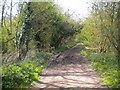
column 69, row 69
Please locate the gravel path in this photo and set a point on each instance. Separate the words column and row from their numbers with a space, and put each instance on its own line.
column 69, row 69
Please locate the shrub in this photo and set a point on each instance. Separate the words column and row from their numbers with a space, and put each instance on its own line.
column 21, row 74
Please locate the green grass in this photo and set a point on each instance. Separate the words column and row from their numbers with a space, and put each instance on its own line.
column 63, row 48
column 105, row 65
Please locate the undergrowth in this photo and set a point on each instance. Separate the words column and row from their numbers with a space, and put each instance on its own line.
column 63, row 48
column 106, row 65
column 23, row 73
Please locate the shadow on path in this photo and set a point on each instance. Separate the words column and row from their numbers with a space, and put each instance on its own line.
column 69, row 69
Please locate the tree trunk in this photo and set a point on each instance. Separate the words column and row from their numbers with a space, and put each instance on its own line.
column 24, row 38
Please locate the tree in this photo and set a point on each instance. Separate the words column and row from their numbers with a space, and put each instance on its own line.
column 102, row 27
column 26, row 29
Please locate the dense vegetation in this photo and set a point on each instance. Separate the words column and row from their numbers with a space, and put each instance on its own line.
column 40, row 26
column 22, row 74
column 101, row 40
column 29, row 37
column 40, row 29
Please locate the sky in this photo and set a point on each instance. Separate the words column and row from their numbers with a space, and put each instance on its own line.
column 79, row 8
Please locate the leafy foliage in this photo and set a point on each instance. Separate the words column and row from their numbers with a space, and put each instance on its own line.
column 101, row 41
column 37, row 27
column 22, row 74
column 106, row 64
column 62, row 48
column 40, row 26
column 101, row 28
column 52, row 28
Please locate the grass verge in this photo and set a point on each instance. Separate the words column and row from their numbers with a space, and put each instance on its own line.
column 106, row 65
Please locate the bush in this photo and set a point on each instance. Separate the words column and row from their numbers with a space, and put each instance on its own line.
column 21, row 74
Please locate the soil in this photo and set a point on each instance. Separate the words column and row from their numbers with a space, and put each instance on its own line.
column 69, row 69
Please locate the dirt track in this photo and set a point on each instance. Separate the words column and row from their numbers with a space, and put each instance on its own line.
column 69, row 69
